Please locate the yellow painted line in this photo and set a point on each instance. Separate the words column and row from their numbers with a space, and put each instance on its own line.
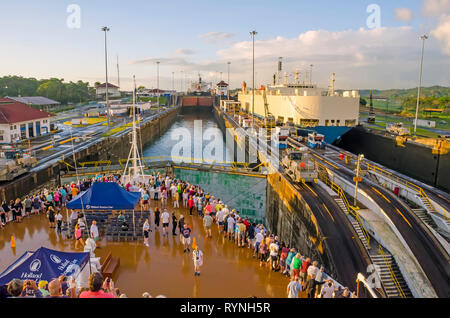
column 46, row 148
column 328, row 211
column 443, row 198
column 310, row 189
column 381, row 194
column 67, row 140
column 398, row 211
column 336, row 167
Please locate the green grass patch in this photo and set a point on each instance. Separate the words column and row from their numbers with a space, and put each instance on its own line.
column 117, row 129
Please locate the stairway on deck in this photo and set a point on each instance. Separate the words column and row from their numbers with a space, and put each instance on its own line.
column 425, row 217
column 385, row 264
column 433, row 211
column 354, row 223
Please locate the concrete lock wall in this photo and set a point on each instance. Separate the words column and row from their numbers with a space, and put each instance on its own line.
column 289, row 217
column 434, row 168
column 111, row 148
column 287, row 214
column 30, row 182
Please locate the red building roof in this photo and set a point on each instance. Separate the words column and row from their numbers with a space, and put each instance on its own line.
column 12, row 111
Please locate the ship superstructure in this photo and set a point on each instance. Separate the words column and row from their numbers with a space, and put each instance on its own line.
column 326, row 111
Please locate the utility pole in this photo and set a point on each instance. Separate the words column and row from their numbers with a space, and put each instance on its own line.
column 106, row 29
column 360, row 157
column 423, row 38
column 118, row 74
column 157, row 84
column 173, row 81
column 228, row 87
column 253, row 33
column 310, row 74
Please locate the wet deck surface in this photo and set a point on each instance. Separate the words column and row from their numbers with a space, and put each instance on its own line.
column 162, row 268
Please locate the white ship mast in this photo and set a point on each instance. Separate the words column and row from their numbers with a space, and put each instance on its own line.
column 136, row 170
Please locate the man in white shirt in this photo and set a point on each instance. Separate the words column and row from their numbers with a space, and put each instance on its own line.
column 94, row 231
column 258, row 237
column 293, row 288
column 59, row 219
column 165, row 218
column 226, row 211
column 328, row 290
column 146, row 230
column 273, row 247
column 173, row 189
column 197, row 256
column 313, row 269
column 219, row 219
column 231, row 222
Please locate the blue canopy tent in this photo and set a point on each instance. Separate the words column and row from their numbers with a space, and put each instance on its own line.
column 45, row 264
column 106, row 196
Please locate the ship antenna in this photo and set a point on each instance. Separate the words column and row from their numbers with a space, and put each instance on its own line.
column 331, row 90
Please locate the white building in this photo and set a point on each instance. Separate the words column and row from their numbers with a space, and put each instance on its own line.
column 19, row 121
column 222, row 88
column 113, row 90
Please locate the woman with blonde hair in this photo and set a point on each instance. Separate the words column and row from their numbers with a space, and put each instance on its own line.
column 19, row 208
column 51, row 216
column 78, row 237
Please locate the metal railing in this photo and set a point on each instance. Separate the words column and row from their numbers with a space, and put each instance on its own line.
column 391, row 272
column 419, row 190
column 414, row 187
column 163, row 161
column 323, row 176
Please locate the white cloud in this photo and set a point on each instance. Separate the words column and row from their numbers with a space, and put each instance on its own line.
column 163, row 60
column 442, row 32
column 185, row 51
column 378, row 58
column 375, row 58
column 212, row 37
column 435, row 7
column 403, row 14
column 439, row 9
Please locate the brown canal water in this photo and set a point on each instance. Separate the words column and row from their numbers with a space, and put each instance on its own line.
column 162, row 268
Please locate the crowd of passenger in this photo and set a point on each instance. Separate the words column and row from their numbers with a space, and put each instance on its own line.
column 65, row 287
column 305, row 274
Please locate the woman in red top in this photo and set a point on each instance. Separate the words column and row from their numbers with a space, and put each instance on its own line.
column 190, row 204
column 283, row 256
column 304, row 269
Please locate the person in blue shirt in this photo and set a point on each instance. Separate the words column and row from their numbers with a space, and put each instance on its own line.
column 145, row 198
column 289, row 258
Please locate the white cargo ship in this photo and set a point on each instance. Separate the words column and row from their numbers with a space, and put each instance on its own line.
column 325, row 111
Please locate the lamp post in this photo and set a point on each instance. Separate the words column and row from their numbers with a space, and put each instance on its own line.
column 181, row 81
column 157, row 84
column 253, row 33
column 173, row 81
column 106, row 29
column 423, row 38
column 228, row 87
column 360, row 157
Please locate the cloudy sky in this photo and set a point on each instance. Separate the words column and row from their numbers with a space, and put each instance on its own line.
column 368, row 44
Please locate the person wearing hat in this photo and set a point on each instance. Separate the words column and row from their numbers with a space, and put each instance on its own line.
column 43, row 285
